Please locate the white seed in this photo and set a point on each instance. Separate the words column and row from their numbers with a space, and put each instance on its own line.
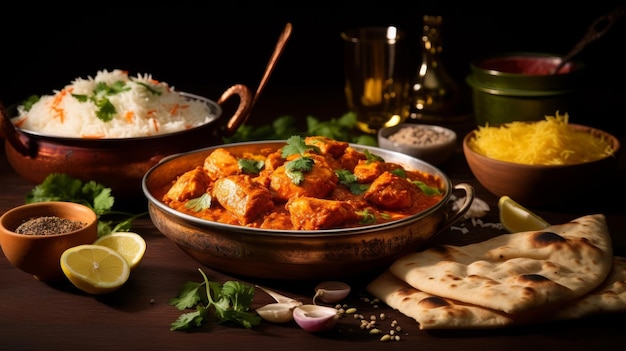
column 385, row 337
column 351, row 310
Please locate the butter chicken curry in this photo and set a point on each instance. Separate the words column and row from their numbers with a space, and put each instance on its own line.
column 309, row 183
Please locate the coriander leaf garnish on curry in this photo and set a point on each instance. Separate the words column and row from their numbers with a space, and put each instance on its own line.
column 308, row 183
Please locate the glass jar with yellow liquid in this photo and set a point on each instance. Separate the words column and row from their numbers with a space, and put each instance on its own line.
column 377, row 83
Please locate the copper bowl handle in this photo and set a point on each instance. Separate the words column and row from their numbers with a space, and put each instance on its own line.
column 10, row 133
column 243, row 110
column 456, row 215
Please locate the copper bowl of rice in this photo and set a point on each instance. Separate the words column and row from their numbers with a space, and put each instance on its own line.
column 116, row 156
column 542, row 163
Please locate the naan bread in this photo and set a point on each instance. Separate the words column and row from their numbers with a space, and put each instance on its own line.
column 519, row 272
column 433, row 312
column 609, row 297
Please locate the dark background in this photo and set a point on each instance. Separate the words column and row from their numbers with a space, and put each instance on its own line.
column 203, row 48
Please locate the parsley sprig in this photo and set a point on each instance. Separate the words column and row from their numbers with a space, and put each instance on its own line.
column 228, row 302
column 62, row 187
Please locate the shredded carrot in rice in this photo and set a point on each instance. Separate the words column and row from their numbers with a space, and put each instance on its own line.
column 129, row 116
column 92, row 136
column 19, row 122
column 155, row 124
column 59, row 112
column 548, row 142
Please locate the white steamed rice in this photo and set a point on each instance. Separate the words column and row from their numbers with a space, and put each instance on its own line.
column 139, row 112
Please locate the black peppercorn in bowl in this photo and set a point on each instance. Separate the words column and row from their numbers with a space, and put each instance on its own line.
column 34, row 236
column 430, row 143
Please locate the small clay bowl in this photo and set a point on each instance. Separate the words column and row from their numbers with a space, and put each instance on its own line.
column 39, row 255
column 435, row 151
column 543, row 185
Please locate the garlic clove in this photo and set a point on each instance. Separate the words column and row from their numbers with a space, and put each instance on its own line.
column 277, row 312
column 331, row 291
column 278, row 297
column 314, row 318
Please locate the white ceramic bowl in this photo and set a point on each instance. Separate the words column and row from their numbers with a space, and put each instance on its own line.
column 429, row 143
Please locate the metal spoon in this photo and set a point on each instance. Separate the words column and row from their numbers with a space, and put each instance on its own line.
column 597, row 29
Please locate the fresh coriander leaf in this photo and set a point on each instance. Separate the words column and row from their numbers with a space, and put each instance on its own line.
column 104, row 227
column 345, row 176
column 149, row 88
column 348, row 179
column 347, row 120
column 365, row 139
column 358, row 188
column 81, row 97
column 188, row 296
column 372, row 157
column 127, row 224
column 284, row 127
column 104, row 89
column 297, row 146
column 245, row 319
column 239, row 294
column 367, row 217
column 295, row 168
column 102, row 199
column 106, row 110
column 280, row 129
column 400, row 172
column 30, row 101
column 190, row 320
column 57, row 187
column 428, row 190
column 250, row 166
column 200, row 203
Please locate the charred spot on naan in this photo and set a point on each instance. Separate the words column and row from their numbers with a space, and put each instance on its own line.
column 547, row 238
column 433, row 302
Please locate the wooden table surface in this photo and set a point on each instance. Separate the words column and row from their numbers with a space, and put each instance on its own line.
column 35, row 315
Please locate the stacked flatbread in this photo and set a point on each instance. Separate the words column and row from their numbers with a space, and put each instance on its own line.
column 561, row 272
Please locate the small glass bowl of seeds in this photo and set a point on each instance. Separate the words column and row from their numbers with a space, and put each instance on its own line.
column 34, row 236
column 430, row 143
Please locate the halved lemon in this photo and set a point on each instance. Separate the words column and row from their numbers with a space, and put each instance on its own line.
column 130, row 245
column 516, row 218
column 95, row 269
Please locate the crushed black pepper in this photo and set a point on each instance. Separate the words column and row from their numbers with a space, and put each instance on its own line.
column 48, row 226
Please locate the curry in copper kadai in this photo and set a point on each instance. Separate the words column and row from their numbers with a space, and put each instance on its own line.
column 309, row 183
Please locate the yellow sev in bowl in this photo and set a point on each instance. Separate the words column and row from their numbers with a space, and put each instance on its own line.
column 547, row 142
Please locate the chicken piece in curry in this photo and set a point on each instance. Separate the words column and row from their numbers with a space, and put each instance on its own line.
column 310, row 183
